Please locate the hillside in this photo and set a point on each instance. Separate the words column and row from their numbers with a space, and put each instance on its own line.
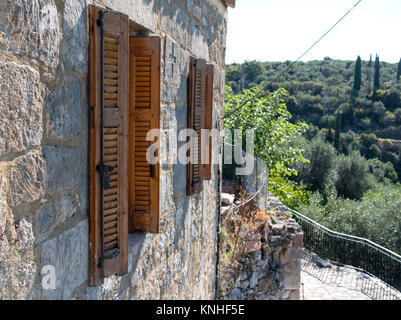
column 321, row 91
column 344, row 170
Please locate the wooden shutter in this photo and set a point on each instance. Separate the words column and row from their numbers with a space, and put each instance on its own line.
column 108, row 142
column 207, row 167
column 196, row 121
column 144, row 109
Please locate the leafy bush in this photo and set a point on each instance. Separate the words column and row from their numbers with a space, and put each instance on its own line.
column 351, row 180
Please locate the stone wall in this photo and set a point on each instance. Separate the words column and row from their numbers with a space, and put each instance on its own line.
column 43, row 152
column 272, row 273
column 272, row 269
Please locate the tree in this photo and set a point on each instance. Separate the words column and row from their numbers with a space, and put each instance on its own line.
column 337, row 131
column 273, row 131
column 399, row 71
column 316, row 173
column 369, row 74
column 253, row 69
column 357, row 75
column 376, row 82
column 352, row 176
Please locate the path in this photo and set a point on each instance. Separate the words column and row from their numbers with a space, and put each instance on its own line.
column 341, row 283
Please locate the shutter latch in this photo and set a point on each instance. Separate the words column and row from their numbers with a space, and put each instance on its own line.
column 152, row 170
column 105, row 171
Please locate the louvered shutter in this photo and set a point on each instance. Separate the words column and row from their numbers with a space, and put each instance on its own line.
column 108, row 142
column 144, row 116
column 196, row 121
column 209, row 118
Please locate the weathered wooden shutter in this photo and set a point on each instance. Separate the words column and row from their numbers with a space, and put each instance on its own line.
column 108, row 142
column 207, row 167
column 144, row 115
column 196, row 121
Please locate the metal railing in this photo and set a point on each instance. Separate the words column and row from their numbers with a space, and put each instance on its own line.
column 351, row 250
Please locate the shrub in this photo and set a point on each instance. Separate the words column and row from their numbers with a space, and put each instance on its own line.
column 351, row 180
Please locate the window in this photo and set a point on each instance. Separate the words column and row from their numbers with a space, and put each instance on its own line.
column 124, row 107
column 124, row 104
column 200, row 111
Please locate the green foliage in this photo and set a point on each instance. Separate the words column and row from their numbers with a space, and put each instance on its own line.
column 337, row 132
column 351, row 176
column 290, row 193
column 376, row 81
column 338, row 186
column 269, row 117
column 377, row 216
column 357, row 74
column 399, row 71
column 252, row 70
column 317, row 172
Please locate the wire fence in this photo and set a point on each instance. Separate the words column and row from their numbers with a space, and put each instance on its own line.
column 357, row 252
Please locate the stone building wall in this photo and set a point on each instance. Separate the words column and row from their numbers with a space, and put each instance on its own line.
column 44, row 143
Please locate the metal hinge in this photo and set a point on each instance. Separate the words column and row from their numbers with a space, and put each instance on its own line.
column 105, row 171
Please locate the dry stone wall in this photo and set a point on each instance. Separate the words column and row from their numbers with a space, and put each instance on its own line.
column 43, row 153
column 272, row 269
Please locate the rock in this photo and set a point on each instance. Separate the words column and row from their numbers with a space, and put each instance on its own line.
column 33, row 29
column 227, row 199
column 25, row 238
column 253, row 281
column 63, row 110
column 66, row 206
column 244, row 276
column 44, row 222
column 3, row 202
column 27, row 178
column 62, row 166
column 263, row 285
column 244, row 284
column 75, row 35
column 20, row 108
column 323, row 263
column 235, row 294
column 68, row 254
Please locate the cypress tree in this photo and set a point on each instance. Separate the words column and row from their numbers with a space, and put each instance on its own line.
column 337, row 131
column 376, row 82
column 329, row 136
column 369, row 75
column 357, row 74
column 399, row 71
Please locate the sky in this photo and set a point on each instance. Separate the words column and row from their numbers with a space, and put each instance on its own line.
column 280, row 30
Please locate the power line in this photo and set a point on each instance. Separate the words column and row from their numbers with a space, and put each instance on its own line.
column 257, row 94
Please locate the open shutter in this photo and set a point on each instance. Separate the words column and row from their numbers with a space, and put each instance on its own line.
column 144, row 108
column 108, row 142
column 207, row 167
column 196, row 121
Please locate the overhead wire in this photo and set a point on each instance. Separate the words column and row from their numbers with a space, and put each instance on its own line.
column 262, row 90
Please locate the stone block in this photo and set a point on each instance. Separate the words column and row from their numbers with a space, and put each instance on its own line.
column 299, row 240
column 44, row 222
column 62, row 167
column 68, row 254
column 292, row 281
column 3, row 204
column 75, row 35
column 66, row 206
column 253, row 281
column 32, row 28
column 25, row 238
column 20, row 108
column 27, row 178
column 63, row 110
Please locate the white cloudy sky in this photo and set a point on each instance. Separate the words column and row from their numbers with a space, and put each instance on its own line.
column 279, row 30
